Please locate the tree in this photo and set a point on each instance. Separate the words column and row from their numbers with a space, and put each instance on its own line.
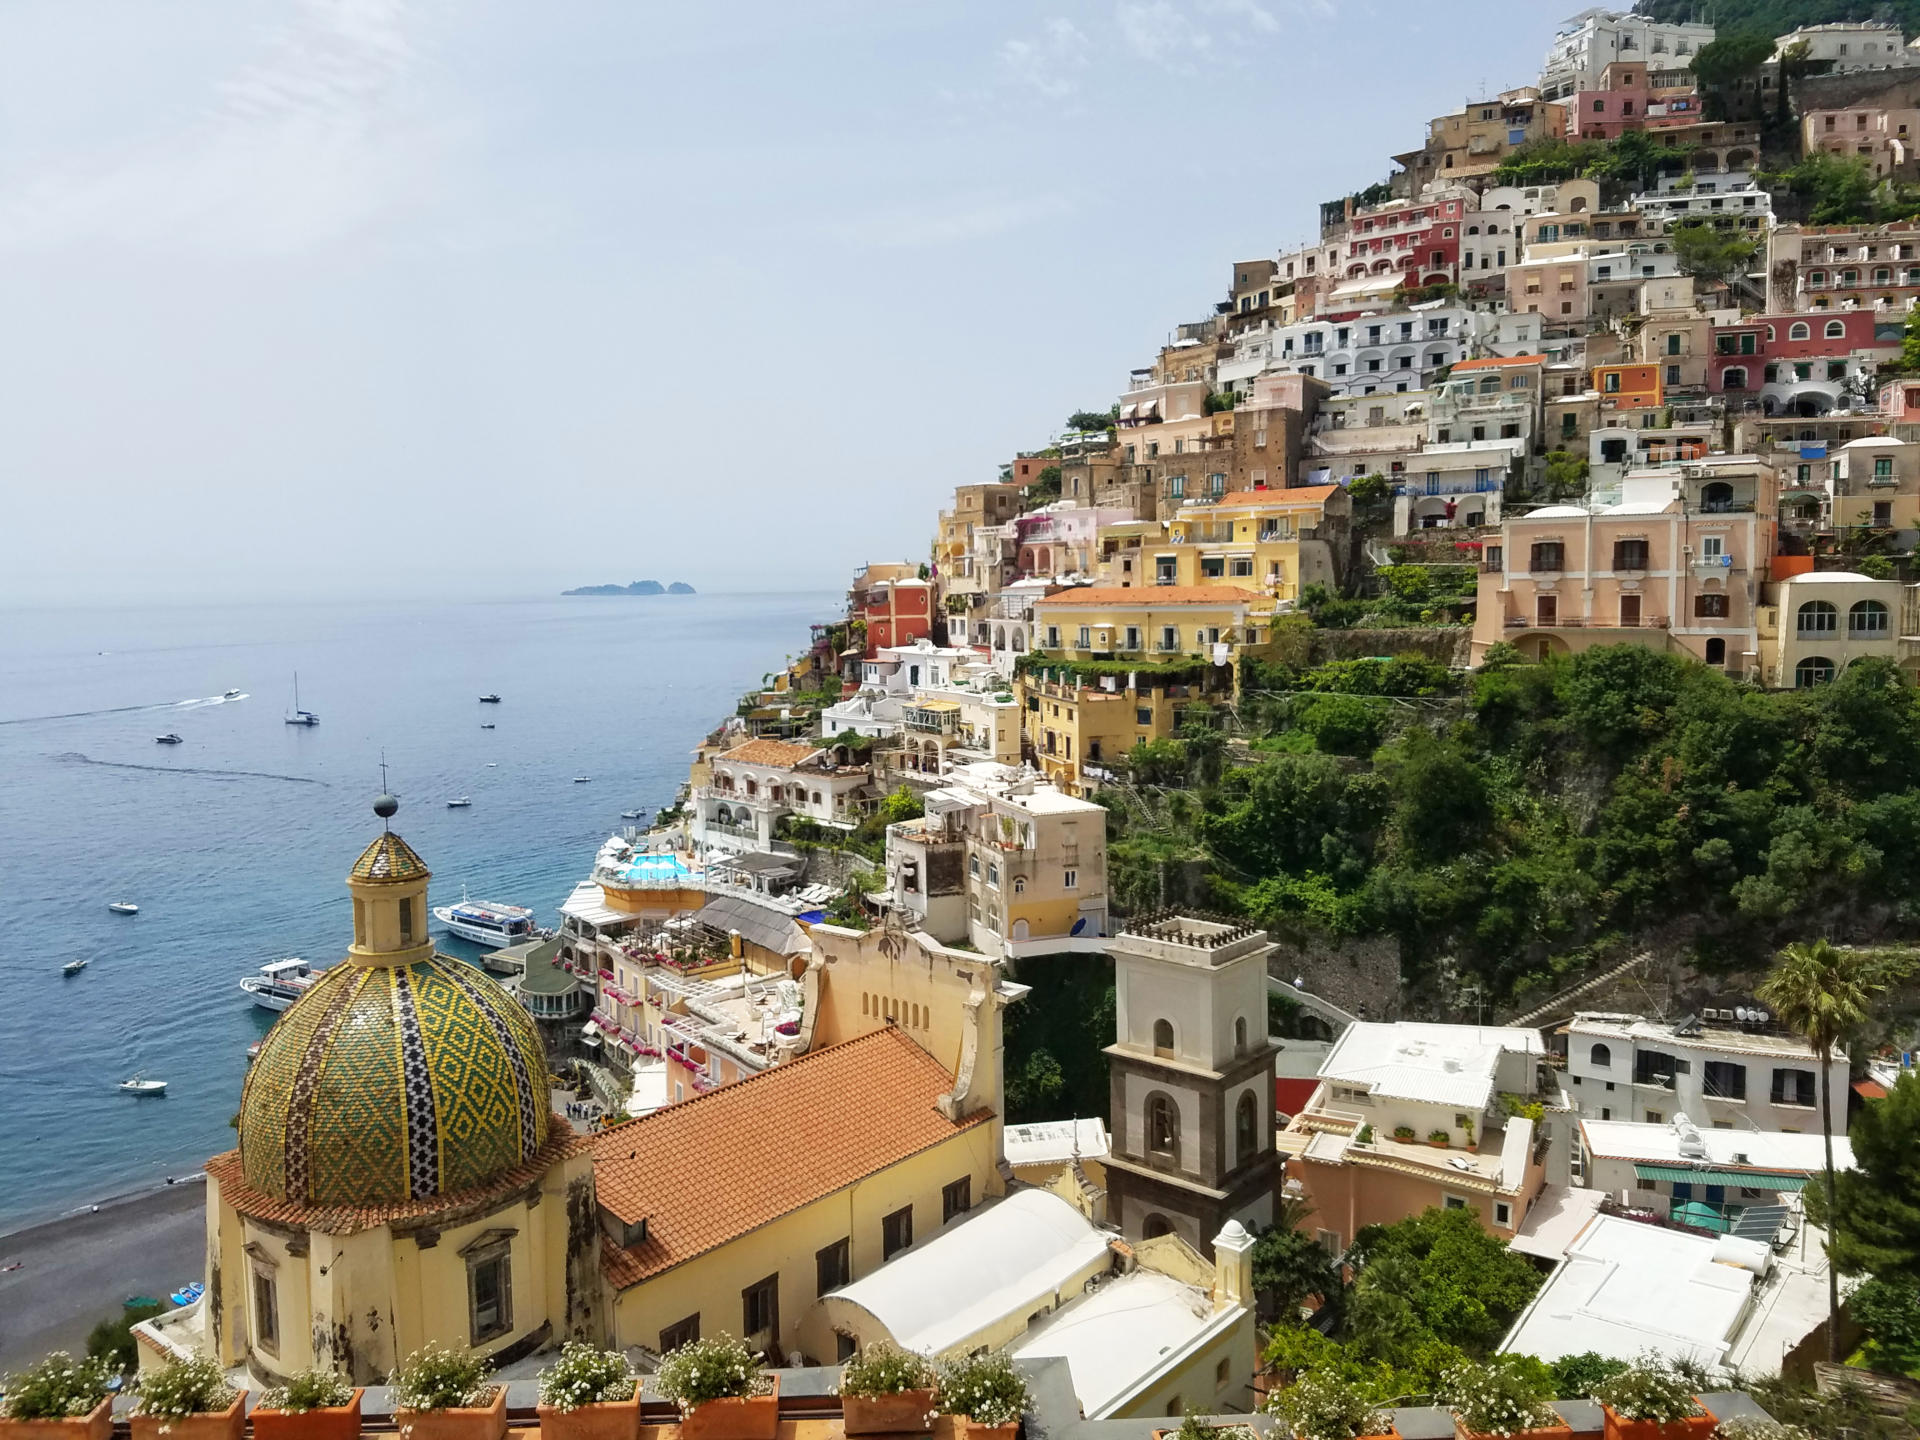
column 1045, row 486
column 1710, row 254
column 1727, row 70
column 1825, row 994
column 1888, row 1310
column 1880, row 1195
column 1090, row 420
column 1369, row 489
column 1841, row 187
column 1289, row 1269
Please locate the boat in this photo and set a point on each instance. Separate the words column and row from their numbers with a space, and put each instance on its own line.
column 138, row 1086
column 489, row 699
column 123, row 907
column 463, row 803
column 493, row 764
column 280, row 982
column 630, row 814
column 167, row 739
column 487, row 725
column 583, row 779
column 486, row 922
column 297, row 716
column 74, row 967
column 231, row 695
column 188, row 1293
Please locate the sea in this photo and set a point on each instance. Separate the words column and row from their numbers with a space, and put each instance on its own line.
column 235, row 843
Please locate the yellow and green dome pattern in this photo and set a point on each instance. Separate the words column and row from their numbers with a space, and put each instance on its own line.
column 387, row 1084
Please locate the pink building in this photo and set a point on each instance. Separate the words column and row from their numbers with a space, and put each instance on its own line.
column 1632, row 97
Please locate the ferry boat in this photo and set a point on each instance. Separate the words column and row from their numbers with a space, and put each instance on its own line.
column 487, row 923
column 280, row 982
column 168, row 739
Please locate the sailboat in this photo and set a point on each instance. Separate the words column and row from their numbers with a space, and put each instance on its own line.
column 298, row 716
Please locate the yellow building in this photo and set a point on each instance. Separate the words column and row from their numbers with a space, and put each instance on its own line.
column 1160, row 622
column 1273, row 541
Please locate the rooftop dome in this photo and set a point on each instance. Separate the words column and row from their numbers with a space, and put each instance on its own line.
column 401, row 1074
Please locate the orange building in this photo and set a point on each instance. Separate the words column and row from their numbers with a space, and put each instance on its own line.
column 1629, row 387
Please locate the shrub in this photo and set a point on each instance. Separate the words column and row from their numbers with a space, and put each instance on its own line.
column 1758, row 1427
column 585, row 1375
column 1497, row 1398
column 883, row 1369
column 1403, row 1132
column 984, row 1388
column 1322, row 1405
column 1440, row 1137
column 309, row 1390
column 1575, row 1377
column 440, row 1379
column 1192, row 1429
column 716, row 1369
column 112, row 1340
column 58, row 1388
column 1648, row 1389
column 181, row 1388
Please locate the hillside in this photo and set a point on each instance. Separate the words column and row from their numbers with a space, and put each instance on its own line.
column 1776, row 17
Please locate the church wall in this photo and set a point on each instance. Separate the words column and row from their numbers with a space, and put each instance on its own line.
column 226, row 1293
column 711, row 1285
column 1240, row 995
column 923, row 991
column 1130, row 1119
column 431, row 1290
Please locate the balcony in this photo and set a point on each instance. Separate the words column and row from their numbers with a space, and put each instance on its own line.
column 1574, row 622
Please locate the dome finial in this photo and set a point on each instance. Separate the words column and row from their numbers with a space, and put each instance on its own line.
column 386, row 804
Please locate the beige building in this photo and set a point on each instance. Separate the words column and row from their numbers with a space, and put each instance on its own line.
column 1876, row 485
column 1816, row 624
column 1476, row 138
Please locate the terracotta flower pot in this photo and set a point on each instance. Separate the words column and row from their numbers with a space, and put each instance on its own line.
column 227, row 1424
column 477, row 1422
column 1694, row 1427
column 908, row 1413
column 328, row 1422
column 96, row 1424
column 1543, row 1432
column 735, row 1417
column 959, row 1427
column 607, row 1420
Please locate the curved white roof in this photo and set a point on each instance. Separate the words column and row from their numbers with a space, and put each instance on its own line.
column 1832, row 577
column 1874, row 442
column 1556, row 512
column 1007, row 1259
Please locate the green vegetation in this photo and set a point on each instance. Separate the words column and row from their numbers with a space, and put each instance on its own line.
column 1878, row 1200
column 1219, row 401
column 716, row 1368
column 984, row 1388
column 1777, row 17
column 311, row 1390
column 180, row 1388
column 1056, row 1063
column 1045, row 487
column 586, row 1375
column 58, row 1388
column 1092, row 420
column 112, row 1340
column 1712, row 255
column 1638, row 158
column 1649, row 1390
column 884, row 1369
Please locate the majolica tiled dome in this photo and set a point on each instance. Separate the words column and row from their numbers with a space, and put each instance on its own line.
column 393, row 1083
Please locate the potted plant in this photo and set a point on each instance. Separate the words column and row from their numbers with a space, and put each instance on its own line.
column 885, row 1390
column 1404, row 1132
column 441, row 1394
column 1649, row 1400
column 61, row 1398
column 722, row 1392
column 985, row 1396
column 189, row 1400
column 1500, row 1398
column 1192, row 1429
column 589, row 1394
column 1322, row 1405
column 313, row 1405
column 1441, row 1138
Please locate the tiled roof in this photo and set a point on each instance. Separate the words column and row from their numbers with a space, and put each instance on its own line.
column 768, row 752
column 723, row 1164
column 228, row 1172
column 1292, row 495
column 1497, row 362
column 389, row 859
column 1153, row 597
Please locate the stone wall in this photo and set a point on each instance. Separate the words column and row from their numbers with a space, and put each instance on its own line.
column 1444, row 646
column 1360, row 975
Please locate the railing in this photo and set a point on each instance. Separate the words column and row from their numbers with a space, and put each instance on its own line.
column 743, row 832
column 1574, row 622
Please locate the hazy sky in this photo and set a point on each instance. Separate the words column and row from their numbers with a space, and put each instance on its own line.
column 405, row 295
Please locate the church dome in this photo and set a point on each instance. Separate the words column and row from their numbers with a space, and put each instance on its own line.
column 401, row 1074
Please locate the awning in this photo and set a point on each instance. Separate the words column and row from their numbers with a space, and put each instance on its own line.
column 1127, row 411
column 592, row 1027
column 1751, row 1179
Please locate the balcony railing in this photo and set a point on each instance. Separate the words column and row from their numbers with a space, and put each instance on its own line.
column 1575, row 622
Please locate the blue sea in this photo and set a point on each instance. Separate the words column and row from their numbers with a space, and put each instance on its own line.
column 235, row 843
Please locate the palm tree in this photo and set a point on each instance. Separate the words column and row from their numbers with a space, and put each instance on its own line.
column 1825, row 994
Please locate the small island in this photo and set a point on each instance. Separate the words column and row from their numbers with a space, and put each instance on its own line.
column 637, row 587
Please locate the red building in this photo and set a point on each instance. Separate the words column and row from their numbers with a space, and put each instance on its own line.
column 1799, row 363
column 1631, row 97
column 1421, row 239
column 897, row 612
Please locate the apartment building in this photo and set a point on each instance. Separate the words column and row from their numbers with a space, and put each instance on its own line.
column 1372, row 349
column 1797, row 364
column 756, row 785
column 1817, row 623
column 1728, row 1068
column 1275, row 541
column 1636, row 95
column 1848, row 46
column 1843, row 267
column 1457, row 486
column 1875, row 485
column 1882, row 135
column 1156, row 622
column 1705, row 1178
column 974, row 506
column 1079, row 728
column 1473, row 140
column 1595, row 39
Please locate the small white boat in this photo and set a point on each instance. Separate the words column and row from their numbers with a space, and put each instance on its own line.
column 630, row 814
column 280, row 982
column 488, row 725
column 464, row 802
column 493, row 764
column 74, row 967
column 137, row 1086
column 583, row 779
column 168, row 739
column 231, row 695
column 123, row 907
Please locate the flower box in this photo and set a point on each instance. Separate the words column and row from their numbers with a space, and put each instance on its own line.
column 959, row 1427
column 227, row 1424
column 1694, row 1427
column 910, row 1412
column 328, row 1422
column 1543, row 1432
column 604, row 1420
column 735, row 1417
column 475, row 1422
column 96, row 1424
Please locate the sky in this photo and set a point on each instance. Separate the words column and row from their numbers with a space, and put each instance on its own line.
column 325, row 298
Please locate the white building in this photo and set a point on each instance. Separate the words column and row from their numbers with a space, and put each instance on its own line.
column 1377, row 350
column 1457, row 484
column 1856, row 45
column 1592, row 40
column 756, row 785
column 1718, row 1173
column 1732, row 198
column 1724, row 1070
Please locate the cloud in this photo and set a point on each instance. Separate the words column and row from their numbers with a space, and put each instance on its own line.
column 1049, row 65
column 1256, row 15
column 316, row 137
column 1161, row 33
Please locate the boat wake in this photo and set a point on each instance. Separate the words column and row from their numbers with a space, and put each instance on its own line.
column 190, row 704
column 74, row 757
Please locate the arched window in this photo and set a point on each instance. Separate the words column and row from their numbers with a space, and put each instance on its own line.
column 1163, row 1127
column 1799, row 330
column 1867, row 618
column 1836, row 329
column 753, row 786
column 1817, row 617
column 1734, row 377
column 1716, row 651
column 1154, row 1227
column 1814, row 670
column 1240, row 1033
column 1246, row 1129
column 1163, row 1037
column 1019, row 884
column 1716, row 498
column 1601, row 1056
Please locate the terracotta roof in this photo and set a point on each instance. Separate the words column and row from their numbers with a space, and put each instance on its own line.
column 388, row 860
column 723, row 1164
column 768, row 752
column 228, row 1173
column 1497, row 362
column 1292, row 495
column 1144, row 597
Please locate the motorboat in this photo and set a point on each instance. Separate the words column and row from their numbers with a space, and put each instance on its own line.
column 138, row 1086
column 488, row 725
column 631, row 814
column 489, row 699
column 279, row 983
column 464, row 802
column 168, row 739
column 231, row 695
column 486, row 922
column 297, row 716
column 123, row 907
column 74, row 967
column 493, row 764
column 583, row 779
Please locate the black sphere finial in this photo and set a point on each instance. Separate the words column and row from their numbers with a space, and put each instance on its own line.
column 385, row 806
